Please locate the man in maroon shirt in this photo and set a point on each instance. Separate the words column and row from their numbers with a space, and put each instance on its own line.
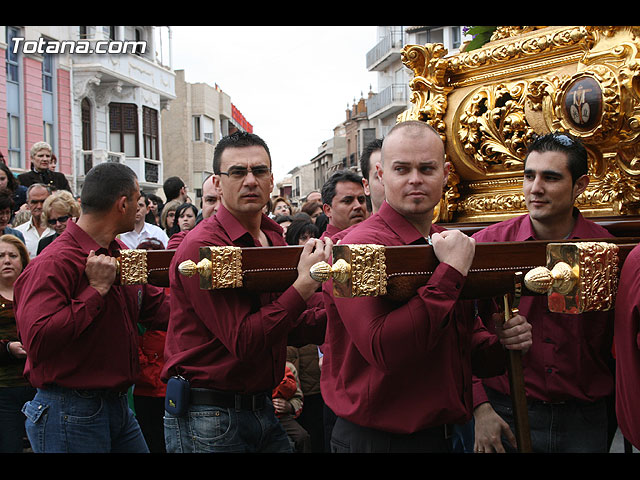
column 627, row 343
column 566, row 371
column 396, row 374
column 230, row 345
column 80, row 329
column 343, row 201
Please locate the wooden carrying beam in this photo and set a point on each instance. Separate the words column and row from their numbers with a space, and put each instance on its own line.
column 395, row 272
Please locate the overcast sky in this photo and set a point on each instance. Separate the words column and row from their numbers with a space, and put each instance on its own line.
column 292, row 83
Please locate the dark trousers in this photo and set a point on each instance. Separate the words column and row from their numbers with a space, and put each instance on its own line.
column 311, row 419
column 299, row 437
column 347, row 437
column 150, row 413
column 570, row 427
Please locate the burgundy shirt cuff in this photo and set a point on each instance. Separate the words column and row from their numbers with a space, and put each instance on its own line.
column 479, row 393
column 449, row 280
column 93, row 301
column 292, row 302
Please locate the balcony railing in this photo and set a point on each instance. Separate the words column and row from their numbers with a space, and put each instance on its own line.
column 393, row 98
column 147, row 170
column 386, row 46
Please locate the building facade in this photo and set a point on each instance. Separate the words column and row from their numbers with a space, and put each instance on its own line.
column 199, row 116
column 95, row 93
column 385, row 58
column 372, row 117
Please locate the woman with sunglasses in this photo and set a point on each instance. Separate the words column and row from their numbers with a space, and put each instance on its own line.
column 57, row 210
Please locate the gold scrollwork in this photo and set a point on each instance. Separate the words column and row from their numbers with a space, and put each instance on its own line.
column 429, row 90
column 583, row 276
column 492, row 128
column 599, row 275
column 132, row 267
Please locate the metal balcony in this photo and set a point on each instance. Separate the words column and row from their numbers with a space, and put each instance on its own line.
column 148, row 171
column 387, row 51
column 391, row 100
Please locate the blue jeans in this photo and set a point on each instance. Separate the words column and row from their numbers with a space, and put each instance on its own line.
column 61, row 420
column 209, row 429
column 571, row 427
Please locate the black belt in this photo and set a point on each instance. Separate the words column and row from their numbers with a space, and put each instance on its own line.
column 203, row 396
column 535, row 402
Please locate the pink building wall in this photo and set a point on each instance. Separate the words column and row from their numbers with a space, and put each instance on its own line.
column 65, row 153
column 4, row 129
column 32, row 108
column 32, row 94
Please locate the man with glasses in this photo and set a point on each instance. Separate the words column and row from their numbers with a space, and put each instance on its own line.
column 35, row 229
column 567, row 370
column 230, row 344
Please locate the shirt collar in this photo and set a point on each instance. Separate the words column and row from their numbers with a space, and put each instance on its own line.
column 332, row 230
column 236, row 231
column 31, row 226
column 401, row 226
column 580, row 228
column 87, row 243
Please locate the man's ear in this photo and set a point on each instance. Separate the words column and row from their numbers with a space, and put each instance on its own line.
column 379, row 172
column 580, row 186
column 365, row 184
column 326, row 208
column 122, row 204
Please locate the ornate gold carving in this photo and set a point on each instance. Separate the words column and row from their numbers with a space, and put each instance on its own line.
column 219, row 267
column 492, row 129
column 132, row 267
column 511, row 31
column 361, row 268
column 428, row 84
column 189, row 268
column 531, row 47
column 226, row 266
column 579, row 277
column 487, row 104
column 599, row 279
column 368, row 270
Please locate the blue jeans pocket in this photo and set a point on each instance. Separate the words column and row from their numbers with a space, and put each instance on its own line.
column 36, row 413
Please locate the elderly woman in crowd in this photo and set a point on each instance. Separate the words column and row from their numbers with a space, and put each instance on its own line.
column 41, row 154
column 14, row 388
column 57, row 210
